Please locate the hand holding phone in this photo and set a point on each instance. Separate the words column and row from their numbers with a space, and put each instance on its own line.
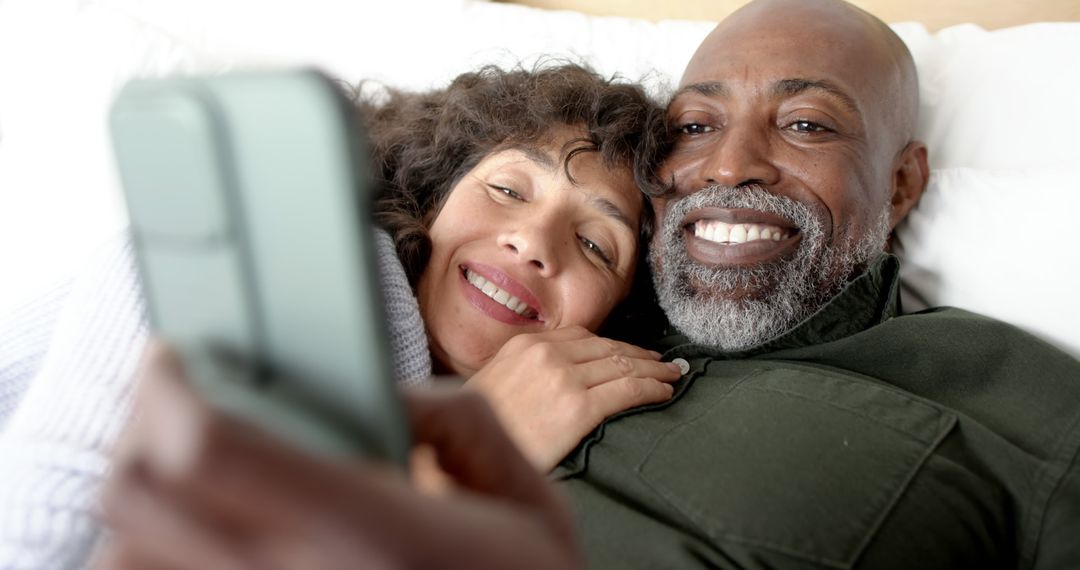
column 250, row 214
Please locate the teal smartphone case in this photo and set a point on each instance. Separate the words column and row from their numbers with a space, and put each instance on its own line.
column 251, row 216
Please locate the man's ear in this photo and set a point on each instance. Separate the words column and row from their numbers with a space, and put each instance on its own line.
column 908, row 181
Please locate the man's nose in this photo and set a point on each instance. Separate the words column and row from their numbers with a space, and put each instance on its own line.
column 738, row 156
column 535, row 242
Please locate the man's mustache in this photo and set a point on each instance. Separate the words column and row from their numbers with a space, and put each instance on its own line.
column 749, row 197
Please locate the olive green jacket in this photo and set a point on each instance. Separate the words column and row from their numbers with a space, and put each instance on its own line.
column 860, row 439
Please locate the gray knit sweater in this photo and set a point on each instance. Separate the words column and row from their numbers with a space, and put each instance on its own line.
column 67, row 366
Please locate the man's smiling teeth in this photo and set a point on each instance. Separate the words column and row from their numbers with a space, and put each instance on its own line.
column 502, row 297
column 721, row 232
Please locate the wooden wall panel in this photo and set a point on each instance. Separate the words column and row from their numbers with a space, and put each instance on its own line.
column 935, row 14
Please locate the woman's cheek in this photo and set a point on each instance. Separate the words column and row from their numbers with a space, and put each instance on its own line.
column 592, row 303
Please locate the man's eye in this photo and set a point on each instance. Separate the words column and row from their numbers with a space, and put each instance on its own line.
column 596, row 250
column 808, row 127
column 695, row 129
column 507, row 192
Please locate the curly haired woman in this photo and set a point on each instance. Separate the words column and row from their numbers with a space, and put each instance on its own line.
column 515, row 222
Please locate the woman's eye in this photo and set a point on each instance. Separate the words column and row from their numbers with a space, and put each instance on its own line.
column 596, row 250
column 695, row 129
column 808, row 127
column 507, row 192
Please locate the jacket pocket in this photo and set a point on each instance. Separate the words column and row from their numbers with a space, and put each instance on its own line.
column 800, row 462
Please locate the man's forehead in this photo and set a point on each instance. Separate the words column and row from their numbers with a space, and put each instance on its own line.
column 770, row 57
column 774, row 64
column 778, row 89
column 775, row 39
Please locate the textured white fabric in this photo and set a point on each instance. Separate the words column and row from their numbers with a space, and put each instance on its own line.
column 24, row 339
column 54, row 450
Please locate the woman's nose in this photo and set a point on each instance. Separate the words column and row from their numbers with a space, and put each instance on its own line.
column 536, row 243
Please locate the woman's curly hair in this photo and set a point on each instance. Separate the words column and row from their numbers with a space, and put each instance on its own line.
column 422, row 144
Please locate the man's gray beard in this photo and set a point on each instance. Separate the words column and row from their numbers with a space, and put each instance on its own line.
column 699, row 299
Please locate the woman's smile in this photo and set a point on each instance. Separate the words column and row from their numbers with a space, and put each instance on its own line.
column 499, row 296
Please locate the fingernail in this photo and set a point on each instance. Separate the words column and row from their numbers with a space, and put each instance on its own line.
column 682, row 364
column 173, row 429
column 655, row 354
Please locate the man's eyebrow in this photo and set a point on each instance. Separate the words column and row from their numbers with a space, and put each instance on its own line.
column 707, row 88
column 790, row 87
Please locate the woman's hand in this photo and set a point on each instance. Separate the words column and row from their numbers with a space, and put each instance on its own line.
column 550, row 389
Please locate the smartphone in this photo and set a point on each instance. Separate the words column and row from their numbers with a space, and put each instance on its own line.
column 250, row 210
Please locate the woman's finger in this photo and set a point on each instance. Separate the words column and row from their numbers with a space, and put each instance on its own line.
column 522, row 342
column 597, row 372
column 597, row 348
column 619, row 395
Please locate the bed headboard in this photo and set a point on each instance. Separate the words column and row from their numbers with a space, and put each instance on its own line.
column 934, row 14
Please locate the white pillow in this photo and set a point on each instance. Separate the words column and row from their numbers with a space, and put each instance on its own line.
column 990, row 233
column 998, row 101
column 1001, row 99
column 998, row 243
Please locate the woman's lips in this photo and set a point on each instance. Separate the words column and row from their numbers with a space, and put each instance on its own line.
column 738, row 237
column 498, row 295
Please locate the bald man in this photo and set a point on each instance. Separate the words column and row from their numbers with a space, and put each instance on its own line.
column 816, row 427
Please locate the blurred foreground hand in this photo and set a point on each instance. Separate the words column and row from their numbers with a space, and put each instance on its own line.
column 194, row 489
